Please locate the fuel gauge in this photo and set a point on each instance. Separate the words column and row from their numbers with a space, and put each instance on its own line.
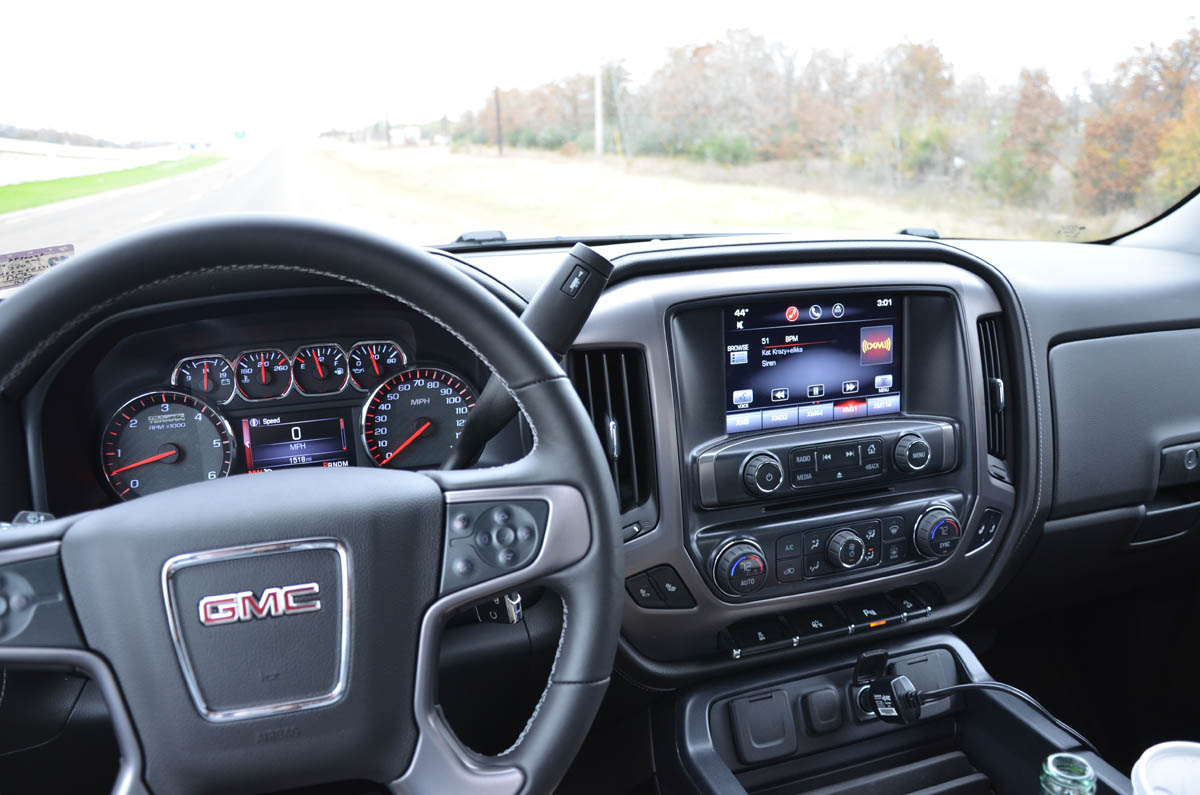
column 210, row 377
column 320, row 369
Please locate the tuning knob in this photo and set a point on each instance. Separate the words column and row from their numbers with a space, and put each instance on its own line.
column 937, row 532
column 912, row 453
column 845, row 549
column 762, row 473
column 741, row 568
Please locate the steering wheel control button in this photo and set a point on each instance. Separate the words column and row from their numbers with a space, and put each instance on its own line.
column 643, row 592
column 33, row 609
column 762, row 474
column 671, row 587
column 845, row 549
column 483, row 540
column 912, row 453
column 740, row 568
column 937, row 532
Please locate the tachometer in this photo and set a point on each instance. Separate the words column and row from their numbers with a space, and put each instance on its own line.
column 208, row 376
column 161, row 440
column 414, row 418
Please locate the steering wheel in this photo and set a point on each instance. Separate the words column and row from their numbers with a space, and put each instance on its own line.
column 263, row 636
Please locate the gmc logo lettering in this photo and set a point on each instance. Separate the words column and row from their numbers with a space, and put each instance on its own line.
column 230, row 608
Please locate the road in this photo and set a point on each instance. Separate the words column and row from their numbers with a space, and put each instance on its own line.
column 277, row 180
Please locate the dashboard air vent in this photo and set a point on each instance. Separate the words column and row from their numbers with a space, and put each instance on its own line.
column 615, row 390
column 992, row 351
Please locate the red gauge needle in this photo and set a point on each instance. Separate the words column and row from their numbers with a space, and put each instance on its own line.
column 317, row 362
column 407, row 442
column 206, row 376
column 375, row 364
column 262, row 365
column 158, row 457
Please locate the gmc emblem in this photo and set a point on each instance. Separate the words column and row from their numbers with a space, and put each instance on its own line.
column 230, row 608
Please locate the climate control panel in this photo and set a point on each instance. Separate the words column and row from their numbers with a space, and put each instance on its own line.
column 816, row 552
column 790, row 465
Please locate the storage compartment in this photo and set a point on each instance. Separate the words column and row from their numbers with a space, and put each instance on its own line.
column 814, row 737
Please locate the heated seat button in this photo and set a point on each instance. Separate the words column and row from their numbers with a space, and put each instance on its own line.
column 643, row 592
column 673, row 591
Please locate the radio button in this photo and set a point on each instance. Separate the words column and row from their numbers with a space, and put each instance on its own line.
column 803, row 459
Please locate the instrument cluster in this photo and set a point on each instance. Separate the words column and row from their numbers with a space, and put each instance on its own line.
column 224, row 414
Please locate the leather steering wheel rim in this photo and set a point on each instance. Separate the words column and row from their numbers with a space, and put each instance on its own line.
column 58, row 306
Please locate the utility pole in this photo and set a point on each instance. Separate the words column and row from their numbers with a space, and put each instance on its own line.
column 599, row 110
column 499, row 126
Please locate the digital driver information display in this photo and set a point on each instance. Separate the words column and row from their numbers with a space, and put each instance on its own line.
column 809, row 359
column 297, row 439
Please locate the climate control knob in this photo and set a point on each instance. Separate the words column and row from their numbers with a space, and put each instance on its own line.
column 762, row 473
column 740, row 568
column 937, row 532
column 912, row 453
column 845, row 549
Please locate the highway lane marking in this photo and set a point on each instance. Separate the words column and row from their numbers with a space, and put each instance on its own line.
column 148, row 217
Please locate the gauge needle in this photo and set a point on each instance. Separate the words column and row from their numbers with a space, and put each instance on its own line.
column 262, row 365
column 317, row 361
column 407, row 442
column 154, row 458
column 206, row 376
column 375, row 364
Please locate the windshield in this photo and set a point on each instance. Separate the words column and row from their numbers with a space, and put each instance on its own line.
column 427, row 121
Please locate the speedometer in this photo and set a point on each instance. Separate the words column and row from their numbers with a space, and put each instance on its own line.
column 414, row 418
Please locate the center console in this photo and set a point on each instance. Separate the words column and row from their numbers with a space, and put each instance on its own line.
column 823, row 435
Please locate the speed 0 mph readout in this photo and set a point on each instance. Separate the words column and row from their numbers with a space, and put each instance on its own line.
column 413, row 419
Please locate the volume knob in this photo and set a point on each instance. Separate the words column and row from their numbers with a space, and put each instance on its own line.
column 762, row 474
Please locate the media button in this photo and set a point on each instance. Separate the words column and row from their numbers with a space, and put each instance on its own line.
column 849, row 387
column 811, row 415
column 779, row 418
column 743, row 421
column 850, row 410
column 779, row 394
column 814, row 391
column 802, row 479
column 883, row 382
column 743, row 397
column 884, row 404
column 838, row 310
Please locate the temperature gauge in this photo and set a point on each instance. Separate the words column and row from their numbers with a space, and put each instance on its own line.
column 210, row 377
column 373, row 362
column 263, row 374
column 320, row 369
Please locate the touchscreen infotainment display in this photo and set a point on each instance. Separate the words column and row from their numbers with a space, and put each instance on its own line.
column 811, row 358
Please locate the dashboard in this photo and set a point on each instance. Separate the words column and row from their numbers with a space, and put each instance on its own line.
column 206, row 388
column 810, row 440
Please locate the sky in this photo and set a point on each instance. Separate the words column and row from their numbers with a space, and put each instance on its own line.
column 201, row 71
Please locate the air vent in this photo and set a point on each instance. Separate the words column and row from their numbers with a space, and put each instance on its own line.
column 992, row 351
column 615, row 390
